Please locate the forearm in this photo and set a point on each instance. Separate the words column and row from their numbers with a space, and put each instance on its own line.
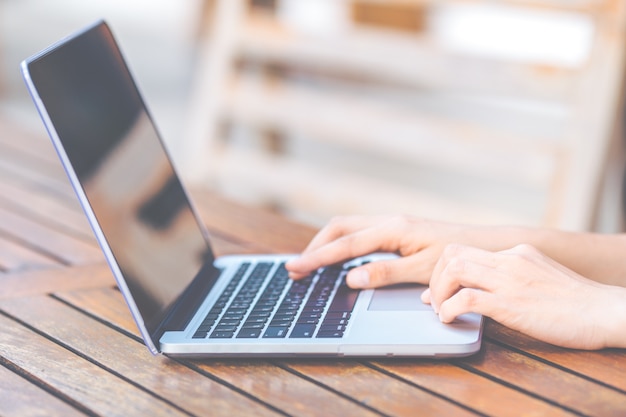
column 601, row 257
column 613, row 317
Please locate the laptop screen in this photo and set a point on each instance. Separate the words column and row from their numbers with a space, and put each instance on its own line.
column 116, row 153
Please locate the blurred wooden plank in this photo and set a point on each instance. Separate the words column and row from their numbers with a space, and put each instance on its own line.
column 45, row 281
column 73, row 377
column 291, row 393
column 567, row 390
column 32, row 168
column 298, row 185
column 605, row 366
column 122, row 356
column 398, row 131
column 63, row 213
column 29, row 143
column 19, row 397
column 264, row 230
column 365, row 385
column 407, row 15
column 15, row 257
column 48, row 240
column 365, row 54
column 470, row 389
column 586, row 6
column 105, row 303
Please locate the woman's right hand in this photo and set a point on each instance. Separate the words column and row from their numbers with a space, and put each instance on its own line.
column 418, row 242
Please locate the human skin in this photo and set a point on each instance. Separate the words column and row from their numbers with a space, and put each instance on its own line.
column 533, row 280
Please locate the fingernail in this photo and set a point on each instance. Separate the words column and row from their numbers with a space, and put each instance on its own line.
column 359, row 278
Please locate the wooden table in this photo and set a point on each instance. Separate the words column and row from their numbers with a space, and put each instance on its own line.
column 68, row 345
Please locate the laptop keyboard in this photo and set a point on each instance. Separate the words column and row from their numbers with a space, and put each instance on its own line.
column 317, row 306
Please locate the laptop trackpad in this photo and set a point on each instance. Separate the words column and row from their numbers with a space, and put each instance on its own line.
column 402, row 297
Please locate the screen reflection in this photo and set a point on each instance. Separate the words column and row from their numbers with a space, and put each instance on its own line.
column 123, row 169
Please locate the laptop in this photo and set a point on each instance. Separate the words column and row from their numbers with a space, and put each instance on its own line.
column 186, row 302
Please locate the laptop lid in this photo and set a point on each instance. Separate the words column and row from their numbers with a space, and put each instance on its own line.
column 149, row 232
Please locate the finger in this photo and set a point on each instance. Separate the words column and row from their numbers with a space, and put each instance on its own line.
column 338, row 227
column 426, row 296
column 468, row 300
column 363, row 242
column 462, row 266
column 387, row 272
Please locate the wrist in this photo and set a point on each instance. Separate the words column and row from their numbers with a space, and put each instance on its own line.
column 614, row 319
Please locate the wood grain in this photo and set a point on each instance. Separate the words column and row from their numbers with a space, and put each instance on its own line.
column 125, row 357
column 568, row 390
column 606, row 366
column 268, row 231
column 49, row 280
column 93, row 387
column 48, row 240
column 15, row 257
column 471, row 389
column 378, row 390
column 19, row 397
column 258, row 377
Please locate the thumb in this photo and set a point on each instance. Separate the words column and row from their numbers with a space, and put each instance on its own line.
column 387, row 272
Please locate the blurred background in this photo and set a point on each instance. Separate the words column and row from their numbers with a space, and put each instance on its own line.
column 499, row 111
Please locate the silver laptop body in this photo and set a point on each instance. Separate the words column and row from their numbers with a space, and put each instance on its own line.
column 185, row 301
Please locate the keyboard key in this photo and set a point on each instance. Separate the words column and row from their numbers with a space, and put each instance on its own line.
column 259, row 314
column 224, row 322
column 225, row 328
column 335, row 321
column 275, row 332
column 221, row 335
column 329, row 334
column 200, row 334
column 256, row 320
column 307, row 321
column 258, row 326
column 338, row 315
column 331, row 328
column 249, row 333
column 302, row 331
column 279, row 323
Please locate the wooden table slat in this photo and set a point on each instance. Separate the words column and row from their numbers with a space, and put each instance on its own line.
column 291, row 393
column 19, row 397
column 364, row 385
column 523, row 372
column 16, row 258
column 465, row 387
column 36, row 282
column 269, row 231
column 95, row 388
column 32, row 142
column 108, row 305
column 127, row 358
column 606, row 366
column 70, row 217
column 49, row 240
column 49, row 181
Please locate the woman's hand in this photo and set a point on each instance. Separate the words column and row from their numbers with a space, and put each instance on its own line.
column 525, row 290
column 419, row 243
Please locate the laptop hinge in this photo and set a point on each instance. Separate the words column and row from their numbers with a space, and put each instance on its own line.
column 182, row 311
